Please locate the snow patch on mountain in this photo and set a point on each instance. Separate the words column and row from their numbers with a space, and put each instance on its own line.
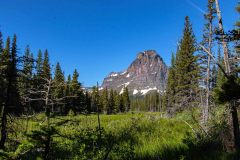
column 135, row 92
column 145, row 91
column 113, row 75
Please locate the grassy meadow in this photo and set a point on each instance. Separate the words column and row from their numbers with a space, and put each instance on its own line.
column 123, row 136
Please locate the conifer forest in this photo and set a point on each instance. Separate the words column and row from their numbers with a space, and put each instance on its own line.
column 194, row 114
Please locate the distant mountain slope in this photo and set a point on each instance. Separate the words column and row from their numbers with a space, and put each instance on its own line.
column 147, row 73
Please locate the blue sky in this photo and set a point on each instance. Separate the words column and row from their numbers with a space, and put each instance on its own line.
column 100, row 36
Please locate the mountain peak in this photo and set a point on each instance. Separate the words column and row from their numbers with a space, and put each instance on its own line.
column 146, row 73
column 147, row 53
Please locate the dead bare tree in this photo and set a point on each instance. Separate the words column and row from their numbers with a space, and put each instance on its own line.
column 44, row 94
column 208, row 41
column 224, row 43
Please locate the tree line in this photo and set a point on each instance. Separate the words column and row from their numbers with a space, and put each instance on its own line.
column 28, row 78
column 27, row 86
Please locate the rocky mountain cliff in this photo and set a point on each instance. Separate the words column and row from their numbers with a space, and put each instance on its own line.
column 147, row 73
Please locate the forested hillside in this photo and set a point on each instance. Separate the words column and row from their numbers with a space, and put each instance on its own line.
column 46, row 114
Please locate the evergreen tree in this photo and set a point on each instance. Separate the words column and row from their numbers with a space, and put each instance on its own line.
column 5, row 86
column 12, row 78
column 46, row 66
column 104, row 101
column 214, row 77
column 1, row 70
column 88, row 102
column 171, row 85
column 67, row 93
column 111, row 102
column 95, row 99
column 59, row 84
column 25, row 80
column 126, row 100
column 4, row 70
column 11, row 103
column 59, row 81
column 187, row 69
column 76, row 93
column 39, row 68
column 67, row 86
column 38, row 81
column 220, row 75
column 117, row 102
column 121, row 104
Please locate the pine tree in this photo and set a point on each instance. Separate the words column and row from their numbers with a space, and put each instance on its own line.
column 67, row 93
column 59, row 84
column 126, row 100
column 67, row 87
column 187, row 69
column 11, row 102
column 95, row 99
column 39, row 68
column 4, row 70
column 88, row 102
column 121, row 104
column 25, row 82
column 46, row 66
column 117, row 102
column 111, row 102
column 14, row 90
column 1, row 70
column 77, row 93
column 171, row 86
column 214, row 77
column 104, row 101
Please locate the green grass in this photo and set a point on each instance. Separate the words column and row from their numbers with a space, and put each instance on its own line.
column 154, row 137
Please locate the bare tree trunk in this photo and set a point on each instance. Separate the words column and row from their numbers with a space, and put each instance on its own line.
column 3, row 127
column 4, row 115
column 224, row 43
column 206, row 110
column 235, row 125
column 47, row 145
column 98, row 114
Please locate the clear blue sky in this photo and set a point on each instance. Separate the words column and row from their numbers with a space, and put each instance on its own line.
column 100, row 36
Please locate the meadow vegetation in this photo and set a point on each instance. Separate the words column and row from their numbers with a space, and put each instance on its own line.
column 142, row 135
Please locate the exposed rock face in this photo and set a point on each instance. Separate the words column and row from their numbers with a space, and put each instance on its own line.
column 148, row 72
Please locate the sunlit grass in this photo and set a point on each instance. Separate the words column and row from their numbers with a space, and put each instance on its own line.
column 157, row 137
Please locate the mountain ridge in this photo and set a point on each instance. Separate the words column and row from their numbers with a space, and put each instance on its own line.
column 148, row 72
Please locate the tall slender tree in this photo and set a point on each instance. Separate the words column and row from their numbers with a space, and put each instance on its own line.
column 187, row 69
column 1, row 70
column 104, row 101
column 208, row 44
column 126, row 100
column 77, row 100
column 171, row 85
column 26, row 78
column 46, row 66
column 111, row 102
column 39, row 67
column 117, row 102
column 12, row 76
column 59, row 84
